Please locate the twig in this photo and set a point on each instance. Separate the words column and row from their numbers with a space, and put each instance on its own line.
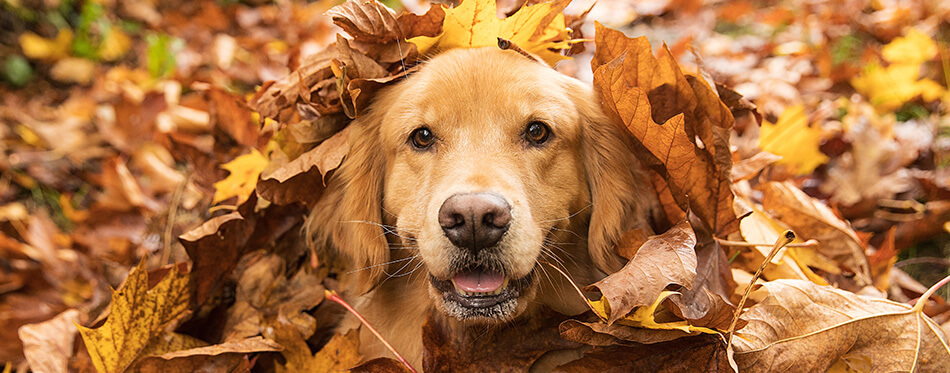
column 923, row 260
column 170, row 221
column 808, row 243
column 506, row 44
column 333, row 296
column 786, row 238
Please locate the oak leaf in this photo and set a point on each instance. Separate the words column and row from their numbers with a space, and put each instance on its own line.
column 302, row 179
column 791, row 138
column 138, row 314
column 807, row 327
column 538, row 29
column 690, row 148
column 367, row 20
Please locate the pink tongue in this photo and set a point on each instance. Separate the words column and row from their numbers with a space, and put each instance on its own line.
column 478, row 282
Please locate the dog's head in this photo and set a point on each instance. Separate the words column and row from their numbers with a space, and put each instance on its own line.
column 483, row 164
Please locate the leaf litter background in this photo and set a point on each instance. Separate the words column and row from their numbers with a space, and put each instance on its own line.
column 170, row 150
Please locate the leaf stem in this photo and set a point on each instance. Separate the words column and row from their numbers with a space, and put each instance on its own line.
column 808, row 243
column 787, row 237
column 919, row 306
column 333, row 296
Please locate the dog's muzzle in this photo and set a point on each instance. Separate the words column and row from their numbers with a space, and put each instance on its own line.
column 476, row 223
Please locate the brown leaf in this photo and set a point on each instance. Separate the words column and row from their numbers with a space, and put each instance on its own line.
column 508, row 347
column 226, row 356
column 691, row 148
column 367, row 21
column 342, row 352
column 215, row 248
column 748, row 168
column 596, row 333
column 707, row 303
column 297, row 181
column 665, row 259
column 49, row 345
column 806, row 327
column 703, row 353
column 429, row 24
column 233, row 117
column 812, row 219
column 274, row 99
column 381, row 365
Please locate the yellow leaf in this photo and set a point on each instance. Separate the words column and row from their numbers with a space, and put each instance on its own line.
column 643, row 317
column 240, row 183
column 913, row 49
column 137, row 315
column 340, row 353
column 536, row 29
column 792, row 138
column 40, row 48
column 115, row 44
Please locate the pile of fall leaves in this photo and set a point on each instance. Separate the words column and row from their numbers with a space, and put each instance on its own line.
column 171, row 152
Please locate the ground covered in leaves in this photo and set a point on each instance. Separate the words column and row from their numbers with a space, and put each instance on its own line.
column 170, row 150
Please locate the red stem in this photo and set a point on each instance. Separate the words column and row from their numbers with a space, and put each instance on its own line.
column 332, row 295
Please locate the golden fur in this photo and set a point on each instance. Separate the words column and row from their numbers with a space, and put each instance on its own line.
column 571, row 198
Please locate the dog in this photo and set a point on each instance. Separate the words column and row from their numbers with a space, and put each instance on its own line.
column 464, row 184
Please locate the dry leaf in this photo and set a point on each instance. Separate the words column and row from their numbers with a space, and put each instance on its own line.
column 806, row 327
column 665, row 259
column 341, row 353
column 297, row 181
column 226, row 356
column 811, row 219
column 690, row 150
column 367, row 21
column 137, row 315
column 694, row 354
column 49, row 345
column 37, row 47
column 214, row 249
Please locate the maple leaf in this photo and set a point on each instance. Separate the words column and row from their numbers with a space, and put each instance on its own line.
column 537, row 29
column 138, row 314
column 807, row 327
column 794, row 140
column 887, row 88
column 340, row 353
column 245, row 170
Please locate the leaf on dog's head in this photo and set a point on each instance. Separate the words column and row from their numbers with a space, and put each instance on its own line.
column 366, row 21
column 809, row 327
column 538, row 29
column 691, row 148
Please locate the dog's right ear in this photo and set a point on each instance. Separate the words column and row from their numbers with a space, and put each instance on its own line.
column 348, row 219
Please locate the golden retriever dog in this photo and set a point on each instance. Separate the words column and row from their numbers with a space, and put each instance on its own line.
column 463, row 183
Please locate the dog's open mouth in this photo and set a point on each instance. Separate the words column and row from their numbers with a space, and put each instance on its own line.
column 480, row 293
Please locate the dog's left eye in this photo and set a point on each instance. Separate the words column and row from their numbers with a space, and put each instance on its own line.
column 537, row 133
column 422, row 138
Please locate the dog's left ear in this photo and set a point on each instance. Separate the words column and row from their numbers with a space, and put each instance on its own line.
column 621, row 196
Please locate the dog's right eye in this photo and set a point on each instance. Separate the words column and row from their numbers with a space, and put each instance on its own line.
column 422, row 138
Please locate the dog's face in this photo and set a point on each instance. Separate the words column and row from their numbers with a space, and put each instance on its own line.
column 483, row 162
column 479, row 167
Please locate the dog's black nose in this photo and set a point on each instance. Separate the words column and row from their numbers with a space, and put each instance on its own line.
column 475, row 221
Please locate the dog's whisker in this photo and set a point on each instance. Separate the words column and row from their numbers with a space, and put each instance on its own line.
column 408, row 273
column 387, row 229
column 567, row 217
column 383, row 264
